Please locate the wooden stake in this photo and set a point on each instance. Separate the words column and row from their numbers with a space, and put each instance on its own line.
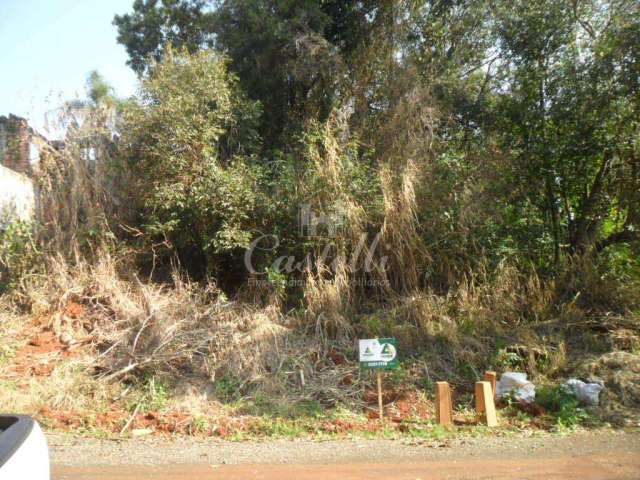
column 491, row 378
column 485, row 408
column 479, row 399
column 379, row 375
column 444, row 409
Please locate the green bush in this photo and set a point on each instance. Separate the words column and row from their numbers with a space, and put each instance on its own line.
column 560, row 402
column 154, row 395
column 227, row 388
column 19, row 254
column 191, row 143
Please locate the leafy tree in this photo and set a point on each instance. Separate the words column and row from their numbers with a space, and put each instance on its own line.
column 570, row 110
column 288, row 55
column 155, row 24
column 509, row 129
column 279, row 52
column 191, row 141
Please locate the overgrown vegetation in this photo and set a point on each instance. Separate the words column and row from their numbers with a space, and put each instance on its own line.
column 562, row 403
column 468, row 175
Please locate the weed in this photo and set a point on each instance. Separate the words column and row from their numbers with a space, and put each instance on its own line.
column 7, row 353
column 543, row 361
column 428, row 385
column 154, row 396
column 19, row 254
column 562, row 404
column 279, row 282
column 278, row 428
column 385, row 432
column 430, row 431
column 227, row 388
column 342, row 413
column 199, row 424
column 506, row 360
column 264, row 406
column 8, row 385
column 306, row 408
column 399, row 376
column 261, row 405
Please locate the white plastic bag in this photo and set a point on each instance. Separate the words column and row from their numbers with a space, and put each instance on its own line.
column 516, row 383
column 586, row 393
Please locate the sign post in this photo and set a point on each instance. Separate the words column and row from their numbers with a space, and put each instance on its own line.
column 380, row 409
column 378, row 354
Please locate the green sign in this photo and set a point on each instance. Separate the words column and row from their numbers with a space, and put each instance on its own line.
column 379, row 353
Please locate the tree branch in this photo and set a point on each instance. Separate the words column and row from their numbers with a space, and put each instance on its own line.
column 623, row 236
column 583, row 23
column 588, row 203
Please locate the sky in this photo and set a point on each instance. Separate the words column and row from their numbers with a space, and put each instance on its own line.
column 47, row 49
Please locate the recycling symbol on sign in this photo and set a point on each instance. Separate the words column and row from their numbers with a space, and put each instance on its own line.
column 388, row 352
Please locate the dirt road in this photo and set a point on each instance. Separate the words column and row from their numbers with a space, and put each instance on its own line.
column 579, row 456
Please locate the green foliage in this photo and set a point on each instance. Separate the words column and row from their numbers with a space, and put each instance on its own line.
column 7, row 354
column 278, row 428
column 268, row 407
column 307, row 408
column 154, row 24
column 507, row 360
column 200, row 425
column 533, row 128
column 227, row 388
column 191, row 143
column 19, row 254
column 278, row 280
column 493, row 152
column 399, row 376
column 560, row 402
column 570, row 118
column 284, row 52
column 153, row 396
column 98, row 88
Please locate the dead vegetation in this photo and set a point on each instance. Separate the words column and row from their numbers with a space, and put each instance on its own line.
column 85, row 329
column 96, row 338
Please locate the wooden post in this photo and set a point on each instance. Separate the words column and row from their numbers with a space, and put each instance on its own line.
column 379, row 375
column 444, row 409
column 485, row 407
column 491, row 378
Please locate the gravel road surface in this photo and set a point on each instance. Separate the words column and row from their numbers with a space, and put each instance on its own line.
column 584, row 456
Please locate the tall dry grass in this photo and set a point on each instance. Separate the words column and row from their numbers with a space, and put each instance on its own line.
column 184, row 332
column 392, row 255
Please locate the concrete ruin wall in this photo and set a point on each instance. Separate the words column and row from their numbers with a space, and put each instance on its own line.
column 17, row 197
column 15, row 144
column 20, row 149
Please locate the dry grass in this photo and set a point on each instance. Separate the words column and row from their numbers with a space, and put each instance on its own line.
column 121, row 334
column 620, row 372
column 187, row 337
column 121, row 339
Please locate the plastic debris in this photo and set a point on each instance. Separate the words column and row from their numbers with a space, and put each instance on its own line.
column 586, row 393
column 517, row 385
